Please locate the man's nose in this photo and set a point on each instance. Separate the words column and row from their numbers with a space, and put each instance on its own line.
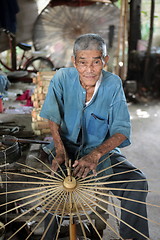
column 90, row 67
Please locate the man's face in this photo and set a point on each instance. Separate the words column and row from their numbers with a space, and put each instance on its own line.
column 89, row 64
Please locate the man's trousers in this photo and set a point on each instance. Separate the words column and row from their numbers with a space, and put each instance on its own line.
column 137, row 222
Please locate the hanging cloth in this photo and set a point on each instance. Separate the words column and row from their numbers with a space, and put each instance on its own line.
column 8, row 11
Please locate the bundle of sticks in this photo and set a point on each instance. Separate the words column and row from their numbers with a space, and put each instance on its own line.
column 39, row 125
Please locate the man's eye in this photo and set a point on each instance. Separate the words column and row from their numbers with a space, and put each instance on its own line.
column 82, row 63
column 97, row 62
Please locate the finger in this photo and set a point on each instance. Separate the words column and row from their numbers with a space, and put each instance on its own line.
column 81, row 172
column 76, row 170
column 75, row 163
column 85, row 173
column 94, row 172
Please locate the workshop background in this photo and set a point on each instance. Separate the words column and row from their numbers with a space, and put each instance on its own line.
column 46, row 30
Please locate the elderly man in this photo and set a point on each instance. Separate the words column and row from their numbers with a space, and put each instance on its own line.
column 88, row 117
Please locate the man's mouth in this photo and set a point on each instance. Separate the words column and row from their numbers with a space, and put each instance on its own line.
column 90, row 76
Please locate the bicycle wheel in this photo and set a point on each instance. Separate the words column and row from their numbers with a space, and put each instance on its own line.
column 39, row 64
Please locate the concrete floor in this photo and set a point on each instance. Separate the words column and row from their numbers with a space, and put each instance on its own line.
column 143, row 153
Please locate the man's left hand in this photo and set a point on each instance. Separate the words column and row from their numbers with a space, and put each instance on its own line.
column 86, row 164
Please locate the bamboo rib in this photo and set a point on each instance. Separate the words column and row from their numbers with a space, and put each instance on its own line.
column 24, row 175
column 132, row 190
column 114, row 209
column 60, row 223
column 96, row 183
column 111, row 166
column 115, row 205
column 24, row 190
column 98, row 205
column 128, row 199
column 57, row 164
column 22, row 214
column 29, row 202
column 4, row 165
column 78, row 215
column 104, row 220
column 122, row 189
column 23, row 198
column 25, row 182
column 52, row 176
column 39, row 160
column 70, row 203
column 90, row 220
column 47, row 213
column 111, row 175
column 50, row 222
column 124, row 181
column 39, row 211
column 46, row 174
column 82, row 195
column 50, row 209
column 106, row 158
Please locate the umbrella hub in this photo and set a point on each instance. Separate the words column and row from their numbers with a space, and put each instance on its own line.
column 69, row 183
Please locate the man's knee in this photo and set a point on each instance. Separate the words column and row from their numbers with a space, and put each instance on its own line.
column 141, row 181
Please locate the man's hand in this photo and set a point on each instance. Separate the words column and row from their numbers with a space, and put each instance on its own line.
column 86, row 164
column 61, row 154
column 58, row 160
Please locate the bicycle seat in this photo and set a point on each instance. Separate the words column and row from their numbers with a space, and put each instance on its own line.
column 25, row 46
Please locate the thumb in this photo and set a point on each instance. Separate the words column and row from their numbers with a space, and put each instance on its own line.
column 94, row 172
column 75, row 163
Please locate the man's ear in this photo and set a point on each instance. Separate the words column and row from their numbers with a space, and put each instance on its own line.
column 106, row 59
column 73, row 61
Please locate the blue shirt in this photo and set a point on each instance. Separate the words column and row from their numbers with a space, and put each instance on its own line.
column 105, row 115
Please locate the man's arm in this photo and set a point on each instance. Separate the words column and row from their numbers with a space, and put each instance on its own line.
column 90, row 161
column 61, row 155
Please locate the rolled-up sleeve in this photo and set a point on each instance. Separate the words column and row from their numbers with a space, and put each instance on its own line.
column 119, row 117
column 120, row 122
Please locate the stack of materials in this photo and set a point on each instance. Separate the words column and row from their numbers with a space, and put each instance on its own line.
column 40, row 125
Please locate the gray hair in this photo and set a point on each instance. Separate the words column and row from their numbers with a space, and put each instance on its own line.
column 90, row 41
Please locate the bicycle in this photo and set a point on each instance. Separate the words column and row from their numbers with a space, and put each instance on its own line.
column 32, row 64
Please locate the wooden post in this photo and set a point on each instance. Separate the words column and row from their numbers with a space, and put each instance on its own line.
column 13, row 53
column 119, row 43
column 124, row 38
column 72, row 231
column 134, row 32
column 148, row 52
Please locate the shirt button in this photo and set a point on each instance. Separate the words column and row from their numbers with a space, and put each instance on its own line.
column 84, row 92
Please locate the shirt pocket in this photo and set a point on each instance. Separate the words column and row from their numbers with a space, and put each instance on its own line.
column 97, row 126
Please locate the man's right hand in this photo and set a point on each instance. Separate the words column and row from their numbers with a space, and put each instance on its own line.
column 58, row 160
column 61, row 155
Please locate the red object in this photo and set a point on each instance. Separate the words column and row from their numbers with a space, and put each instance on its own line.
column 1, row 105
column 26, row 96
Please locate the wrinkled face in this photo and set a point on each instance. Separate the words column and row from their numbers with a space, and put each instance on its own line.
column 89, row 64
